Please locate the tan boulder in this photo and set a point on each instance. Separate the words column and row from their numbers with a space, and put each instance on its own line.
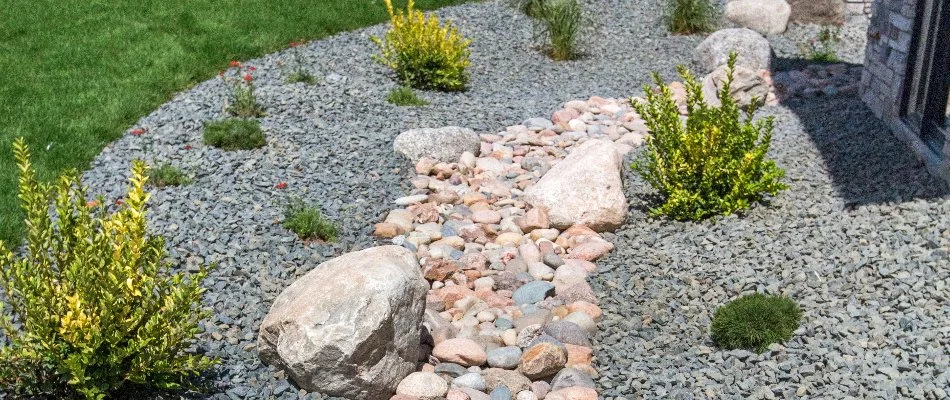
column 351, row 326
column 584, row 188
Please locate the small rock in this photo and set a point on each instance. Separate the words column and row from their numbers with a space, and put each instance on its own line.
column 532, row 292
column 423, row 385
column 464, row 352
column 542, row 360
column 504, row 357
column 470, row 380
column 569, row 377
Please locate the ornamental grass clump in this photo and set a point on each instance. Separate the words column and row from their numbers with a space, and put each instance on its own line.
column 423, row 53
column 714, row 162
column 755, row 321
column 308, row 222
column 90, row 303
column 558, row 26
column 531, row 8
column 234, row 134
column 691, row 16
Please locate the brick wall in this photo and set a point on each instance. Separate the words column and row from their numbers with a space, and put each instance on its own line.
column 885, row 62
column 885, row 69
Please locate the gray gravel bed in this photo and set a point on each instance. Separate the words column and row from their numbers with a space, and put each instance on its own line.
column 861, row 240
column 850, row 49
column 332, row 144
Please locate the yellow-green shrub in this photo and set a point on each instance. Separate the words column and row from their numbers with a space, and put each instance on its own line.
column 423, row 53
column 714, row 162
column 89, row 303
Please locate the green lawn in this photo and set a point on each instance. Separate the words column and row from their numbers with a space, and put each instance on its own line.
column 75, row 74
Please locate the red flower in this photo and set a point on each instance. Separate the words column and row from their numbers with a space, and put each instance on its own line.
column 295, row 44
column 282, row 185
column 187, row 147
column 252, row 68
column 118, row 202
column 92, row 203
column 137, row 131
column 234, row 64
column 248, row 77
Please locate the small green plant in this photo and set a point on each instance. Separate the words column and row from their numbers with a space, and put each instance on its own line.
column 822, row 48
column 243, row 102
column 308, row 222
column 169, row 175
column 691, row 16
column 713, row 163
column 90, row 304
column 297, row 73
column 558, row 25
column 755, row 321
column 424, row 54
column 406, row 97
column 234, row 134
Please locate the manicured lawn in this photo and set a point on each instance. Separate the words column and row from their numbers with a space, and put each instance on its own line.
column 75, row 74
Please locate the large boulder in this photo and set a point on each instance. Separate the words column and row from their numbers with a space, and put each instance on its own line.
column 821, row 12
column 753, row 50
column 768, row 17
column 584, row 188
column 746, row 86
column 443, row 144
column 351, row 326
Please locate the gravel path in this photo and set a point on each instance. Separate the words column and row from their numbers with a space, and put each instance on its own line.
column 853, row 268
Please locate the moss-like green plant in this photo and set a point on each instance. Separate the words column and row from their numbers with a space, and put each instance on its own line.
column 169, row 175
column 691, row 16
column 308, row 222
column 713, row 163
column 424, row 53
column 234, row 134
column 405, row 97
column 91, row 304
column 559, row 24
column 755, row 321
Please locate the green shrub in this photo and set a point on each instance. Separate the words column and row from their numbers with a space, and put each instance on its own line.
column 691, row 16
column 308, row 222
column 90, row 303
column 714, row 162
column 559, row 26
column 424, row 54
column 755, row 321
column 234, row 134
column 168, row 175
column 403, row 96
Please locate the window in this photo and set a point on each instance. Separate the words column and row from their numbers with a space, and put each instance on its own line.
column 926, row 105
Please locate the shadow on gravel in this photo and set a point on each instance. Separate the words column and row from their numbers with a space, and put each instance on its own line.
column 865, row 162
